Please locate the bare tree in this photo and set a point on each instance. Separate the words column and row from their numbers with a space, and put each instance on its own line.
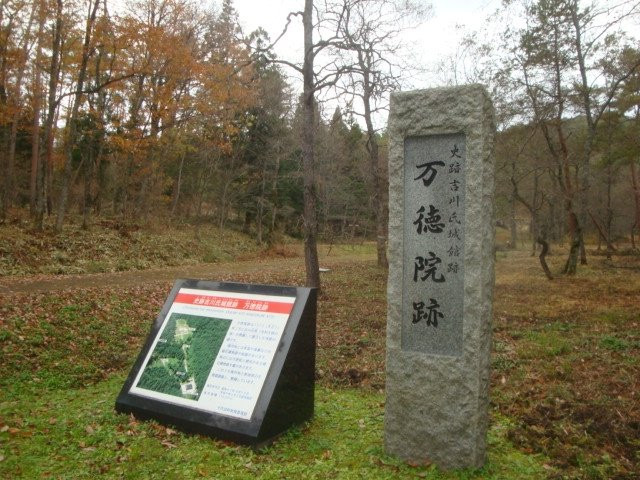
column 371, row 36
column 551, row 58
column 594, row 100
column 328, row 26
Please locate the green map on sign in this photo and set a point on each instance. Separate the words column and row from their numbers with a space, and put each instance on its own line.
column 184, row 354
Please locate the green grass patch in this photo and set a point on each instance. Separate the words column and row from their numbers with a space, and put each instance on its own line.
column 614, row 343
column 548, row 343
column 75, row 433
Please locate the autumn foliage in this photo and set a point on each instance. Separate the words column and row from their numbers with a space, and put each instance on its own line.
column 107, row 104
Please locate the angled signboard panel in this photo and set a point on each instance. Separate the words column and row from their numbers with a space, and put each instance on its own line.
column 234, row 361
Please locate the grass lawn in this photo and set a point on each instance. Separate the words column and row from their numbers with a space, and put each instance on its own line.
column 565, row 382
column 74, row 433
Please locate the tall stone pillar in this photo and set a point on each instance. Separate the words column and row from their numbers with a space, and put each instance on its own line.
column 441, row 275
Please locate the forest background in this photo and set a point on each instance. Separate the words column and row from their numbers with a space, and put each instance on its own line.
column 165, row 110
column 158, row 135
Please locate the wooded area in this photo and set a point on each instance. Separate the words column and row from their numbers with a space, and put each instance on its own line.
column 167, row 109
column 566, row 83
column 168, row 363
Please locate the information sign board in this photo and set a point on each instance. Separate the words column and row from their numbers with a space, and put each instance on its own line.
column 220, row 356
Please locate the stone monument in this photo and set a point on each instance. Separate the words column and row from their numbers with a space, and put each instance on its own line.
column 440, row 288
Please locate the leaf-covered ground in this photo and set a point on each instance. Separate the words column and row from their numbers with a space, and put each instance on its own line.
column 566, row 363
column 114, row 246
column 566, row 368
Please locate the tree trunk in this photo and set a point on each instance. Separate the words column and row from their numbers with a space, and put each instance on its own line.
column 379, row 187
column 176, row 196
column 9, row 173
column 97, row 168
column 513, row 226
column 574, row 226
column 562, row 158
column 73, row 119
column 45, row 170
column 534, row 215
column 35, row 149
column 571, row 265
column 543, row 260
column 635, row 183
column 274, row 195
column 86, row 202
column 603, row 235
column 100, row 173
column 308, row 162
column 557, row 221
column 35, row 134
column 260, row 214
column 225, row 191
column 9, row 190
column 4, row 103
column 4, row 146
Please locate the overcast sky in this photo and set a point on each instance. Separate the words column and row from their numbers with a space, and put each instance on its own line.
column 436, row 38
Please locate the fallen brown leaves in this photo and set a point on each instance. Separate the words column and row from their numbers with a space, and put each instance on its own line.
column 567, row 365
column 114, row 246
column 566, row 361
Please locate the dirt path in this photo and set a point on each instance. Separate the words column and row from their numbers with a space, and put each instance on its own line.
column 209, row 271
